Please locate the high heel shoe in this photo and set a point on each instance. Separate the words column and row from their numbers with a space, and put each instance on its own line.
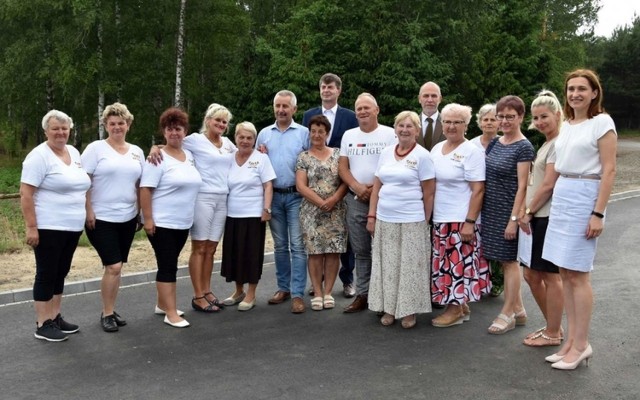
column 586, row 355
column 554, row 358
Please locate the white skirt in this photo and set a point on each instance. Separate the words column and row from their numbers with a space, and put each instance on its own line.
column 566, row 243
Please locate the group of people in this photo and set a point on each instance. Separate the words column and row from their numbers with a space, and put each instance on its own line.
column 416, row 209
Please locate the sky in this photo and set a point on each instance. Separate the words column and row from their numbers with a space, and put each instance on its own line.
column 615, row 13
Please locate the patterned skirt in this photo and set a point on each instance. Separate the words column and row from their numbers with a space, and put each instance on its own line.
column 459, row 272
column 400, row 269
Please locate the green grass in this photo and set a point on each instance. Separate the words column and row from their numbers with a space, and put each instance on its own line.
column 10, row 179
column 11, row 226
column 629, row 133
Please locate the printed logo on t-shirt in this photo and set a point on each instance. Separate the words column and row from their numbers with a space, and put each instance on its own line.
column 78, row 165
column 192, row 162
column 253, row 164
column 365, row 149
column 411, row 164
column 135, row 156
column 457, row 157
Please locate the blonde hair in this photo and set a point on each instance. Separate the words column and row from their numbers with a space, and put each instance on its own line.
column 215, row 110
column 247, row 127
column 413, row 117
column 117, row 110
column 546, row 98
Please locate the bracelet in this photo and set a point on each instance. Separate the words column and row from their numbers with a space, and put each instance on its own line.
column 597, row 214
column 470, row 221
column 371, row 216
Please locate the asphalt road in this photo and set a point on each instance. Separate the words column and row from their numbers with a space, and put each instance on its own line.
column 269, row 353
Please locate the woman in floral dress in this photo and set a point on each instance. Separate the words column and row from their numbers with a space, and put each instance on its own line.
column 322, row 212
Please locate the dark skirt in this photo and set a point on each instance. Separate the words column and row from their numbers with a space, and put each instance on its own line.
column 539, row 231
column 243, row 250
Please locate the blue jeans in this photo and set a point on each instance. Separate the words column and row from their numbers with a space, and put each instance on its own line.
column 290, row 255
column 360, row 240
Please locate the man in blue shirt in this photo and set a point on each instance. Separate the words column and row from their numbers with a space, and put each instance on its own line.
column 283, row 141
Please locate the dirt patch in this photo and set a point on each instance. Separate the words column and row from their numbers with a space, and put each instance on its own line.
column 17, row 269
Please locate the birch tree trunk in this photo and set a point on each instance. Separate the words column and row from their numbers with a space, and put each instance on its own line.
column 100, row 79
column 177, row 102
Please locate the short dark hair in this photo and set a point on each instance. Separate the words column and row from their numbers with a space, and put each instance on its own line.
column 320, row 120
column 174, row 116
column 331, row 78
column 513, row 102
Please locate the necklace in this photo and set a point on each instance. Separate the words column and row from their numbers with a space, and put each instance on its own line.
column 409, row 151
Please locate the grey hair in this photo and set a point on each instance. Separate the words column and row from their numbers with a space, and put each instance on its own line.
column 484, row 110
column 455, row 108
column 369, row 96
column 59, row 115
column 287, row 93
column 248, row 127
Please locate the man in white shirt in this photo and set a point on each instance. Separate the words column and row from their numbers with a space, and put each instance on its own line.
column 430, row 98
column 359, row 153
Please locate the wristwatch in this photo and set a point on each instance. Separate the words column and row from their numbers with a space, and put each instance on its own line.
column 268, row 210
column 514, row 218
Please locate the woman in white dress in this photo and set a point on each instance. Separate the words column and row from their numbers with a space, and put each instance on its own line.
column 586, row 162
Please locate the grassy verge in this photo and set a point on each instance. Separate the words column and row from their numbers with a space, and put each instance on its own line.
column 629, row 134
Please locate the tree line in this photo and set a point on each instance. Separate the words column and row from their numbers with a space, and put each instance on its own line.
column 79, row 55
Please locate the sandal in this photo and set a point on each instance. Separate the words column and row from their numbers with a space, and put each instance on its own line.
column 387, row 319
column 215, row 300
column 329, row 301
column 521, row 317
column 544, row 328
column 502, row 324
column 210, row 308
column 316, row 303
column 540, row 339
column 466, row 311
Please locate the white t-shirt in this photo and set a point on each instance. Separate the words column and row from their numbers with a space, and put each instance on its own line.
column 60, row 197
column 213, row 163
column 363, row 150
column 454, row 171
column 577, row 145
column 476, row 141
column 246, row 193
column 400, row 197
column 114, row 194
column 176, row 184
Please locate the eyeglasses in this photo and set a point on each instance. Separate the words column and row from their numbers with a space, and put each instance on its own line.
column 454, row 123
column 508, row 117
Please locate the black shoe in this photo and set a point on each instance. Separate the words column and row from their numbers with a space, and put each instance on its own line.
column 119, row 320
column 65, row 326
column 109, row 323
column 50, row 332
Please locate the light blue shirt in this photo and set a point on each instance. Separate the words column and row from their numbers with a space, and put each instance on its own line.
column 283, row 149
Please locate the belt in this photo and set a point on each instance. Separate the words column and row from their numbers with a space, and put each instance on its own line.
column 290, row 189
column 576, row 176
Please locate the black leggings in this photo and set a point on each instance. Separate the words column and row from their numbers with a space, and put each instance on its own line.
column 167, row 245
column 54, row 253
column 112, row 240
